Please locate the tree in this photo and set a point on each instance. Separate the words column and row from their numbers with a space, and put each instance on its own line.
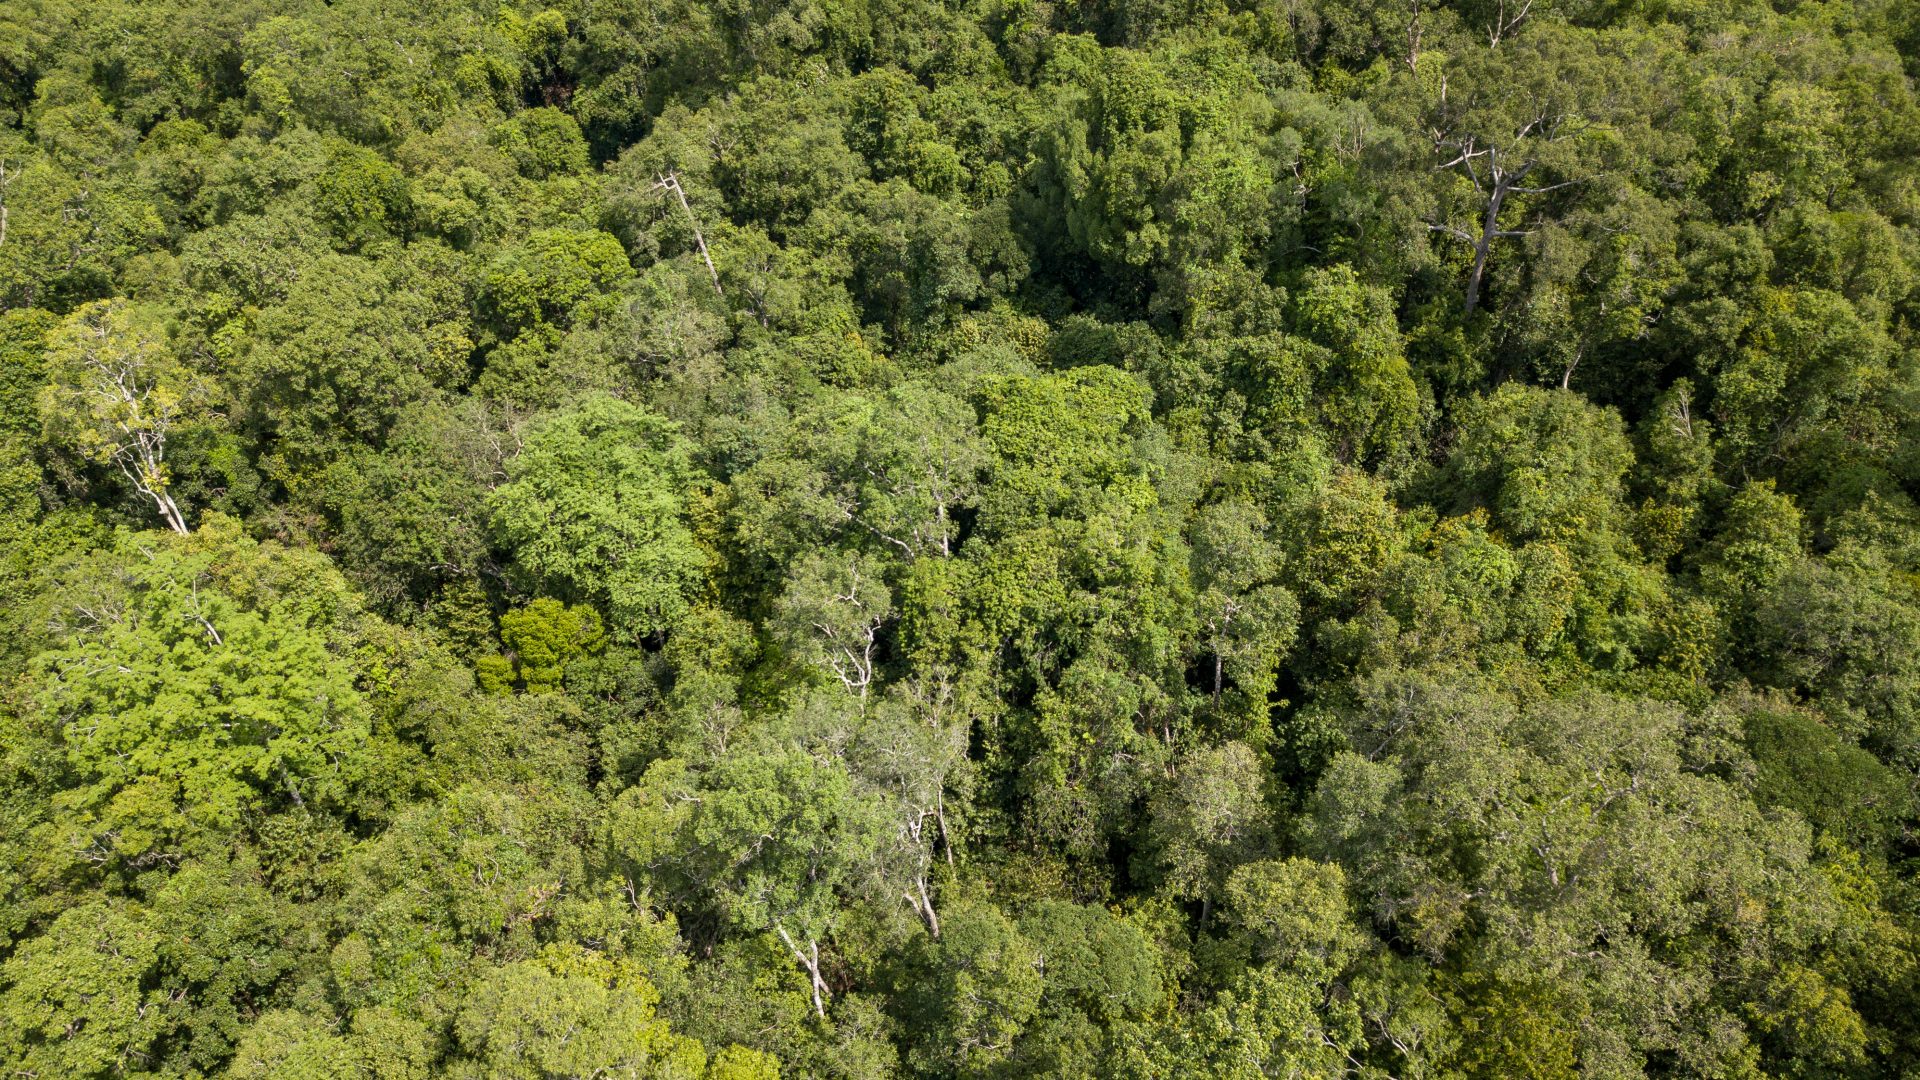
column 1161, row 167
column 911, row 264
column 971, row 993
column 912, row 754
column 1545, row 463
column 1208, row 816
column 355, row 342
column 1842, row 629
column 23, row 344
column 1344, row 536
column 1267, row 1023
column 870, row 538
column 76, row 221
column 833, row 614
column 1757, row 542
column 1293, row 914
column 542, row 639
column 1521, row 121
column 412, row 516
column 1800, row 762
column 890, row 474
column 773, row 835
column 1521, row 834
column 75, row 1003
column 1361, row 381
column 595, row 504
column 1247, row 620
column 180, row 709
column 1805, row 364
column 915, row 465
column 115, row 393
column 551, row 278
column 300, row 1046
column 569, row 1012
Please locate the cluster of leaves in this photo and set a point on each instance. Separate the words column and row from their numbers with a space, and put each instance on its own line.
column 1352, row 538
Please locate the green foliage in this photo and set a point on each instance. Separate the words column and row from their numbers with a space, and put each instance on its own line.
column 1162, row 165
column 1839, row 788
column 74, row 1003
column 568, row 1012
column 706, row 538
column 354, row 342
column 1293, row 915
column 412, row 518
column 543, row 142
column 1839, row 629
column 114, row 395
column 1247, row 620
column 595, row 504
column 552, row 278
column 1212, row 815
column 302, row 1046
column 1367, row 398
column 180, row 708
column 361, row 196
column 974, row 993
column 1545, row 465
column 543, row 638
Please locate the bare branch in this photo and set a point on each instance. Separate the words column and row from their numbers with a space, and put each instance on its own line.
column 1502, row 26
column 1550, row 187
column 671, row 182
column 1450, row 230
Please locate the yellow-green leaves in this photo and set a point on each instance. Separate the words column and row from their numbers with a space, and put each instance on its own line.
column 115, row 393
column 180, row 709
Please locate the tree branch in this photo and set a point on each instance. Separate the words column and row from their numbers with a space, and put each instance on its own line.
column 671, row 182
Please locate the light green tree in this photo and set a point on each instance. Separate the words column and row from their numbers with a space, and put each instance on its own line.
column 180, row 709
column 595, row 504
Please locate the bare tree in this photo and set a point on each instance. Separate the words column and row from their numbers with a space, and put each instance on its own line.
column 6, row 180
column 908, row 755
column 1504, row 23
column 670, row 181
column 835, row 611
column 1496, row 176
column 809, row 959
column 852, row 640
column 1511, row 122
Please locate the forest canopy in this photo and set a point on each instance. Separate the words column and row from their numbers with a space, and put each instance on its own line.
column 734, row 539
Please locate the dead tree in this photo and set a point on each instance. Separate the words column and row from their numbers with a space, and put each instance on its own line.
column 1503, row 24
column 670, row 181
column 809, row 959
column 5, row 180
column 1496, row 175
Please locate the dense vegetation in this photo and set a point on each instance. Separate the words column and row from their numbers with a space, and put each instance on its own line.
column 959, row 538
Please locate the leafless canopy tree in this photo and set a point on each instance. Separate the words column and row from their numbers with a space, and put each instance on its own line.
column 1513, row 123
column 1495, row 176
column 670, row 182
